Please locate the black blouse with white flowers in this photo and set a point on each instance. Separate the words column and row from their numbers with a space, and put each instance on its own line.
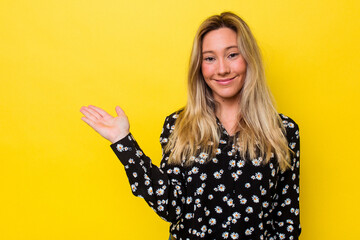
column 227, row 197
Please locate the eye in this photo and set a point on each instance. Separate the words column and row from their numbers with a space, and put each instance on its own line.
column 233, row 55
column 209, row 59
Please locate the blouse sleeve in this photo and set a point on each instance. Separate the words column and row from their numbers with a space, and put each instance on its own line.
column 162, row 188
column 286, row 211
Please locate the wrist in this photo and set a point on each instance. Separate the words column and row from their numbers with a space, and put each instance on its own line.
column 118, row 138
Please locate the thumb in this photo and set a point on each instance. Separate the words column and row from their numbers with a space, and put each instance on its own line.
column 119, row 111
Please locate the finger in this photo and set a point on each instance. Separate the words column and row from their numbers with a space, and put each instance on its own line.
column 95, row 113
column 100, row 111
column 119, row 111
column 89, row 115
column 89, row 122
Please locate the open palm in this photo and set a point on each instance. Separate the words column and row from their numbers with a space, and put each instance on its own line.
column 111, row 128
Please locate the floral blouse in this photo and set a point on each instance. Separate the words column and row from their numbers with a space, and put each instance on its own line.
column 227, row 197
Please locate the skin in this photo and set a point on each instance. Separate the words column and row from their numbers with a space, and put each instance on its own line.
column 111, row 128
column 224, row 71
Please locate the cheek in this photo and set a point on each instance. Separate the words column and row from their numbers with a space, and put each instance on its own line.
column 240, row 66
column 206, row 70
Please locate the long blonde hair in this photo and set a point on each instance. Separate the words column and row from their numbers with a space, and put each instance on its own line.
column 261, row 131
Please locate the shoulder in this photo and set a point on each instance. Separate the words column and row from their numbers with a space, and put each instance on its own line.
column 291, row 127
column 173, row 116
column 171, row 119
column 169, row 126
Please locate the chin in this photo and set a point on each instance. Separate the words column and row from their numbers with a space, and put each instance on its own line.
column 226, row 97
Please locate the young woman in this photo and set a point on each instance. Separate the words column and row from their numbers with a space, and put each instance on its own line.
column 230, row 166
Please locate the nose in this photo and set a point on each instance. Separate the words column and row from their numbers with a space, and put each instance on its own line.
column 223, row 67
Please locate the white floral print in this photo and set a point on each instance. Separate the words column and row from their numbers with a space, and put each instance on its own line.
column 226, row 197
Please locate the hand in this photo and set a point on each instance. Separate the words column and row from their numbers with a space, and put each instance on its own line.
column 111, row 128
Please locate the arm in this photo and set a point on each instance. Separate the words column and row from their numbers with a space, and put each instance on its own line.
column 162, row 188
column 286, row 212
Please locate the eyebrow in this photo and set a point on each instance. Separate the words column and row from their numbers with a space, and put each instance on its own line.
column 225, row 49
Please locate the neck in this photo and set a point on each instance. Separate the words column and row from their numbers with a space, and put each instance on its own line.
column 227, row 112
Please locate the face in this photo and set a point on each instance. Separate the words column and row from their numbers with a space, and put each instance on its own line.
column 222, row 66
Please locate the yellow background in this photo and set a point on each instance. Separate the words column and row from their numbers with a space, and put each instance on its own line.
column 60, row 180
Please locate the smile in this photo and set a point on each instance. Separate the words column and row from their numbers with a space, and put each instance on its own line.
column 224, row 81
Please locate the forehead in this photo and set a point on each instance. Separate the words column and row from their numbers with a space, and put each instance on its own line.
column 219, row 39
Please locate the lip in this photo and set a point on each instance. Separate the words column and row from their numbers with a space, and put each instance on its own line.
column 224, row 81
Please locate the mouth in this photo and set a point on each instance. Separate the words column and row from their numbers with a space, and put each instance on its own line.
column 225, row 80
